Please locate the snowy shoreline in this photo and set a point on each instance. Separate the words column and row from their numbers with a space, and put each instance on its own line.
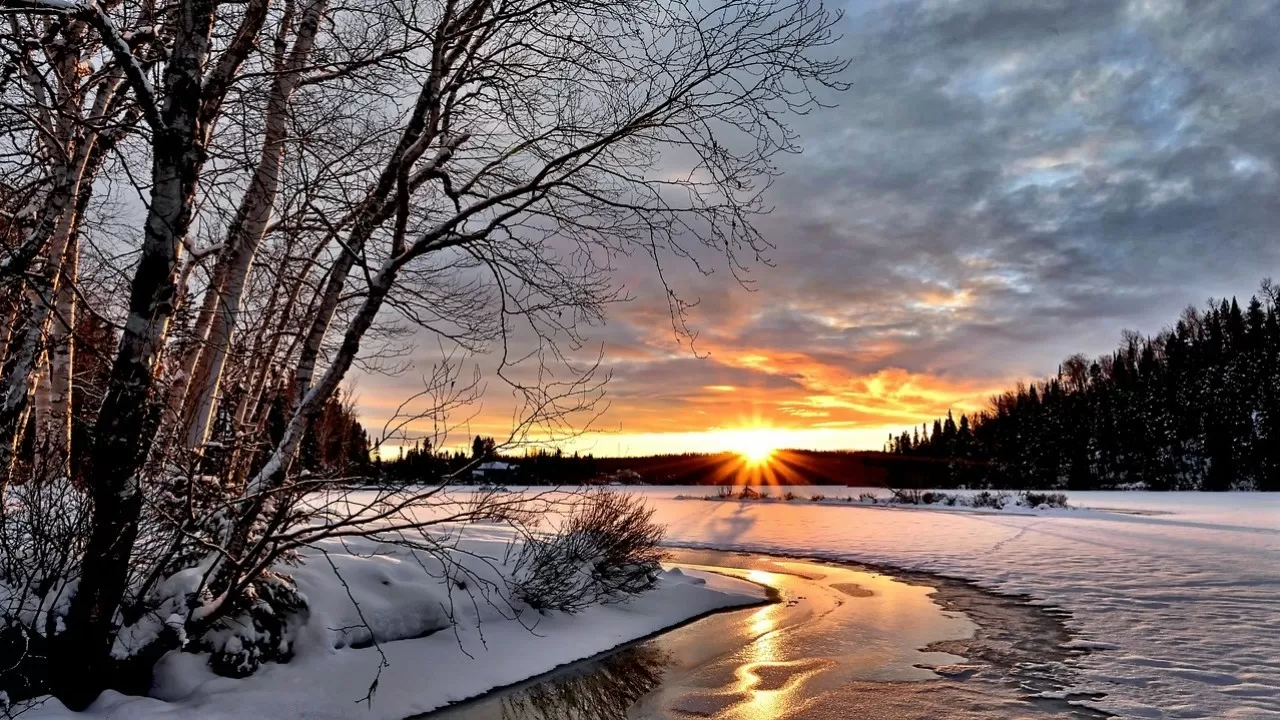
column 425, row 657
column 1002, row 503
column 1170, row 591
column 767, row 596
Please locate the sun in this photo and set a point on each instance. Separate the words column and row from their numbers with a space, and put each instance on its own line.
column 756, row 455
column 754, row 445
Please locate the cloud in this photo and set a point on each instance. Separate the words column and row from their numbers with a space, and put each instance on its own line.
column 1006, row 182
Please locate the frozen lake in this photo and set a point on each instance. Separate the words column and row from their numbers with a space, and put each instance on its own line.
column 1228, row 510
column 840, row 641
column 1170, row 598
column 1178, row 607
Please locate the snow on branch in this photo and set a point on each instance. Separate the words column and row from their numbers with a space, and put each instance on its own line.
column 92, row 12
column 123, row 54
column 43, row 6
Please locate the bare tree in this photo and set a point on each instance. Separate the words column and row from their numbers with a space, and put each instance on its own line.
column 471, row 168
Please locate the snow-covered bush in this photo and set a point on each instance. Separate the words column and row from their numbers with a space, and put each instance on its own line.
column 988, row 499
column 173, row 603
column 43, row 527
column 1040, row 499
column 262, row 632
column 934, row 498
column 606, row 551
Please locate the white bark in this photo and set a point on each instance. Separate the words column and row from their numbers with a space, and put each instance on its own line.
column 181, row 384
column 51, row 402
column 52, row 235
column 247, row 231
column 41, row 402
column 41, row 303
column 61, row 363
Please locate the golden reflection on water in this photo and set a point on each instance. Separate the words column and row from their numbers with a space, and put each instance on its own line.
column 762, row 622
column 769, row 684
column 761, row 702
column 789, row 660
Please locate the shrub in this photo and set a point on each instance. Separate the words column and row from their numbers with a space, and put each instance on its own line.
column 909, row 496
column 934, row 498
column 1038, row 499
column 607, row 551
column 988, row 499
column 817, row 497
column 43, row 528
column 789, row 496
column 262, row 632
column 749, row 494
column 868, row 497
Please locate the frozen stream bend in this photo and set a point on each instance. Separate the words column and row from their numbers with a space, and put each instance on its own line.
column 841, row 641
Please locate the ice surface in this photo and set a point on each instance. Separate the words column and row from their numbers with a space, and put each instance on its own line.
column 1180, row 605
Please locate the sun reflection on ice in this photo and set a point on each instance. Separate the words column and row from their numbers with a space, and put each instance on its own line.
column 770, row 685
column 761, row 703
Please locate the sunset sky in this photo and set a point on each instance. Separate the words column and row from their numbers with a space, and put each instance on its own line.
column 1005, row 183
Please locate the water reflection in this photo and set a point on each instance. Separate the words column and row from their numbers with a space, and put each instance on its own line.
column 602, row 690
column 842, row 642
column 767, row 682
column 762, row 701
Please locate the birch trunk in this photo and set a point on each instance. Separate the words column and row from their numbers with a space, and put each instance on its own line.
column 180, row 388
column 307, row 400
column 10, row 319
column 51, row 406
column 39, row 303
column 247, row 230
column 248, row 418
column 61, row 363
column 273, row 473
column 128, row 414
column 124, row 420
column 41, row 395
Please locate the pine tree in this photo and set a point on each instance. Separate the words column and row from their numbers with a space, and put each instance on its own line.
column 1195, row 407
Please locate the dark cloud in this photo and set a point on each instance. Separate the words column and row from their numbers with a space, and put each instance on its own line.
column 1070, row 167
column 1006, row 182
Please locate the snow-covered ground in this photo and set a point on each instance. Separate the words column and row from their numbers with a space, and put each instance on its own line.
column 1177, row 594
column 404, row 603
column 1181, row 603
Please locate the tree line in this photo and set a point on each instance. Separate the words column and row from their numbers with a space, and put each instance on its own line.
column 1195, row 407
column 422, row 462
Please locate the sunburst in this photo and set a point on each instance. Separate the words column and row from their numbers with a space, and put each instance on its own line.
column 756, row 445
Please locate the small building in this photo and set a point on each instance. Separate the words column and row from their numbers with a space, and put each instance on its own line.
column 492, row 471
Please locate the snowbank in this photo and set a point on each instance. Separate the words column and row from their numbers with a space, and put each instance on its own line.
column 361, row 593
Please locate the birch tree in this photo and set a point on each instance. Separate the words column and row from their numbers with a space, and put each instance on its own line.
column 473, row 169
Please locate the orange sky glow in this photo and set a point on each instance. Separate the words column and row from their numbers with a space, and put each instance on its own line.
column 790, row 400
